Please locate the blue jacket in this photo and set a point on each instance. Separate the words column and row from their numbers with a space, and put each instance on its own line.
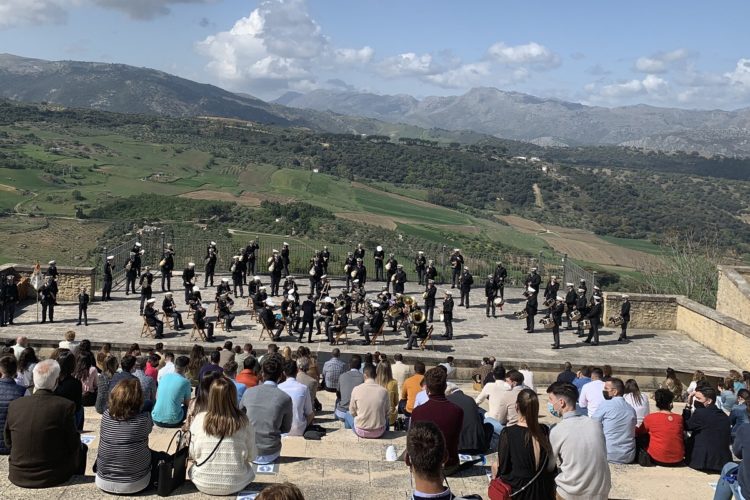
column 9, row 391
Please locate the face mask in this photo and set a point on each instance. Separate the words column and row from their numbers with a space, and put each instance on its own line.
column 551, row 410
column 698, row 404
column 606, row 395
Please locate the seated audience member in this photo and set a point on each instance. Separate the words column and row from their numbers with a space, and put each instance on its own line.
column 368, row 407
column 502, row 393
column 739, row 414
column 103, row 383
column 211, row 366
column 618, row 420
column 226, row 353
column 401, row 371
column 21, row 344
column 525, row 460
column 302, row 408
column 104, row 351
column 348, row 381
column 735, row 479
column 87, row 374
column 9, row 392
column 200, row 402
column 528, row 376
column 591, row 395
column 230, row 371
column 476, row 435
column 127, row 365
column 269, row 410
column 578, row 443
column 673, row 385
column 727, row 399
column 70, row 387
column 583, row 377
column 152, row 366
column 332, row 370
column 123, row 461
column 410, row 388
column 244, row 352
column 567, row 374
column 168, row 366
column 222, row 446
column 26, row 363
column 707, row 448
column 664, row 442
column 70, row 343
column 249, row 373
column 148, row 385
column 173, row 396
column 636, row 399
column 40, row 430
column 303, row 365
column 384, row 377
column 447, row 416
column 426, row 456
column 280, row 491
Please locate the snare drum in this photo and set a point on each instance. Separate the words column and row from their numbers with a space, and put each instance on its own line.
column 585, row 324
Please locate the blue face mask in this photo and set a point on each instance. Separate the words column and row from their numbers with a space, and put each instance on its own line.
column 552, row 410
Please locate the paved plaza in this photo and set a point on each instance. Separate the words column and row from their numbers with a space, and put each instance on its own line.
column 475, row 335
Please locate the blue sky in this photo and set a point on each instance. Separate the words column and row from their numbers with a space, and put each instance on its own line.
column 687, row 54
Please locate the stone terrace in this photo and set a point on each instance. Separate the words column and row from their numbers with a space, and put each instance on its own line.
column 344, row 467
column 475, row 335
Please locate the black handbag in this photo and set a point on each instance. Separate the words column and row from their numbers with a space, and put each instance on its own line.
column 171, row 469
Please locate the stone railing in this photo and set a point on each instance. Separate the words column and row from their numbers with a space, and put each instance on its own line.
column 69, row 280
column 733, row 294
column 656, row 312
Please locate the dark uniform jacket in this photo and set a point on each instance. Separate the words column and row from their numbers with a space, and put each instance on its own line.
column 431, row 292
column 308, row 310
column 625, row 311
column 489, row 289
column 532, row 304
column 466, row 281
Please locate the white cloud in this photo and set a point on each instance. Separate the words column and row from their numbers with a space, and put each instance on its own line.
column 530, row 53
column 408, row 64
column 353, row 56
column 652, row 86
column 466, row 75
column 661, row 61
column 740, row 77
column 22, row 12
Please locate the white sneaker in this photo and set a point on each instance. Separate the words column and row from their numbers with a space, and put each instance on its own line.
column 390, row 454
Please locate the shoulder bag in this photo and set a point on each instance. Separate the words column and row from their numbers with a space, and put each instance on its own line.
column 170, row 468
column 500, row 490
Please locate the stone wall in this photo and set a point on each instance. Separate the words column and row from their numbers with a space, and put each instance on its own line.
column 655, row 312
column 733, row 295
column 723, row 334
column 69, row 280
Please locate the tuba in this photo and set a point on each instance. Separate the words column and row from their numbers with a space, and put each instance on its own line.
column 394, row 311
column 616, row 320
column 409, row 301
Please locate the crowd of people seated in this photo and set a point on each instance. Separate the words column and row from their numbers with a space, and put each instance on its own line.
column 238, row 407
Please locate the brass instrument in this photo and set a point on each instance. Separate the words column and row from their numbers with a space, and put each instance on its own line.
column 340, row 303
column 353, row 274
column 547, row 323
column 394, row 311
column 388, row 266
column 521, row 314
column 424, row 295
column 409, row 301
column 346, row 268
column 616, row 320
column 576, row 315
column 393, row 278
column 312, row 271
column 417, row 317
column 272, row 267
column 498, row 301
column 585, row 324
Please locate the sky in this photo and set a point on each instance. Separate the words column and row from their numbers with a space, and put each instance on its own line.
column 687, row 54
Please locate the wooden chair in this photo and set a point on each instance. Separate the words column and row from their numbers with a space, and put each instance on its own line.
column 380, row 333
column 190, row 312
column 264, row 331
column 341, row 332
column 428, row 338
column 197, row 333
column 167, row 319
column 148, row 330
column 221, row 323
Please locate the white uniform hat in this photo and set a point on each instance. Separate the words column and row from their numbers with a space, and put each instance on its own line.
column 261, row 288
column 374, row 304
column 286, row 244
column 225, row 280
column 274, row 251
column 325, row 276
column 191, row 264
column 379, row 248
column 581, row 289
column 561, row 298
column 355, row 281
column 456, row 250
column 597, row 288
column 110, row 257
column 597, row 298
column 256, row 278
column 530, row 289
column 626, row 296
column 420, row 252
column 448, row 292
column 196, row 289
column 569, row 284
column 151, row 301
column 167, row 294
column 328, row 300
column 237, row 257
column 138, row 243
column 269, row 302
column 52, row 262
column 213, row 243
column 533, row 268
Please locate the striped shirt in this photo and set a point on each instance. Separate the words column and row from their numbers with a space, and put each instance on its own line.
column 124, row 456
column 332, row 370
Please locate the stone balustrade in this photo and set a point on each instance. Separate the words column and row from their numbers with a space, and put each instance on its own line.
column 69, row 280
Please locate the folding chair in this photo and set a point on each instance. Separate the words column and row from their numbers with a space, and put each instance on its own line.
column 264, row 331
column 428, row 338
column 197, row 333
column 148, row 330
column 380, row 333
column 190, row 313
column 341, row 333
column 167, row 319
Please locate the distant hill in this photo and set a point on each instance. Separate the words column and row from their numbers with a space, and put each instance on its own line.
column 548, row 122
column 129, row 89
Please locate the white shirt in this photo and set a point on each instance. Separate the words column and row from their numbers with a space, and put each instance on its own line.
column 71, row 345
column 401, row 372
column 528, row 379
column 17, row 350
column 301, row 404
column 421, row 398
column 450, row 369
column 165, row 370
column 640, row 410
column 591, row 396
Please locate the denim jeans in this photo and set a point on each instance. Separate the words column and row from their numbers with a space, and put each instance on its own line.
column 726, row 490
column 496, row 434
column 348, row 421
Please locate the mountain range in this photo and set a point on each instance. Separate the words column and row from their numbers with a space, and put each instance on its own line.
column 479, row 114
column 547, row 122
